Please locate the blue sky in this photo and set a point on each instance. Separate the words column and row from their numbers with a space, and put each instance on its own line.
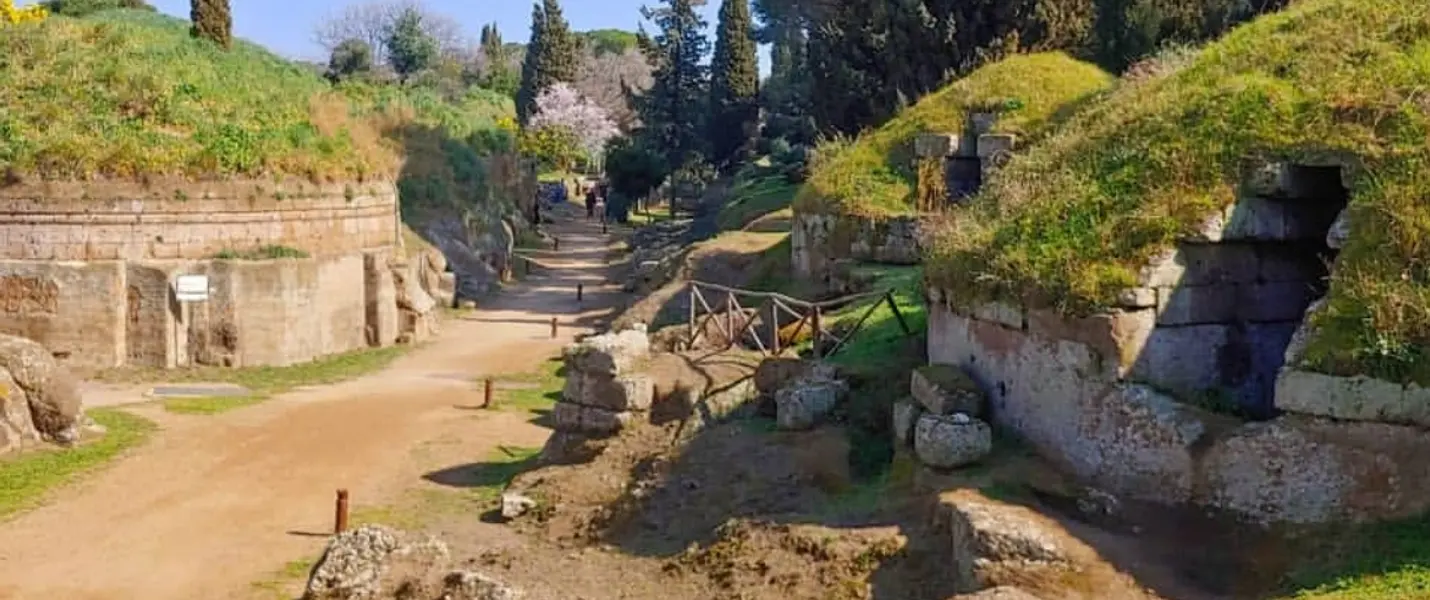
column 286, row 26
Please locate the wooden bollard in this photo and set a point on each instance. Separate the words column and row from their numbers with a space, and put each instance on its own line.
column 487, row 394
column 553, row 328
column 340, row 519
column 556, row 244
column 579, row 289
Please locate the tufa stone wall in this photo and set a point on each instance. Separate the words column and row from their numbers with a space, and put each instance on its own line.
column 89, row 272
column 187, row 220
column 1116, row 397
column 819, row 241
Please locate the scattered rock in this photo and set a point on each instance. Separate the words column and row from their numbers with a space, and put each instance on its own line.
column 1340, row 231
column 948, row 441
column 468, row 585
column 514, row 505
column 947, row 389
column 804, row 402
column 776, row 373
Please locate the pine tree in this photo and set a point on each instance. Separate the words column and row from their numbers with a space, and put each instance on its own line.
column 734, row 86
column 672, row 111
column 212, row 20
column 531, row 67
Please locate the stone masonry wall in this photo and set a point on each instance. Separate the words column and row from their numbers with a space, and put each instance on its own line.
column 1064, row 386
column 132, row 221
column 817, row 241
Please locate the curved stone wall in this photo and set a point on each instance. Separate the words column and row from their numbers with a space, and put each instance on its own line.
column 72, row 221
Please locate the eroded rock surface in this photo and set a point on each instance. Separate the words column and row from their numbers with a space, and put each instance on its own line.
column 376, row 562
column 39, row 399
column 948, row 441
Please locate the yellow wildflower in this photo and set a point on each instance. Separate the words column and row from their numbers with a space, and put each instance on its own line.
column 29, row 14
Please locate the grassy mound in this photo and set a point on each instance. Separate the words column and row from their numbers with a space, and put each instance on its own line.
column 874, row 175
column 129, row 93
column 1070, row 221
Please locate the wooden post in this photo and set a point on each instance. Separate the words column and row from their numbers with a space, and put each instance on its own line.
column 818, row 330
column 553, row 328
column 774, row 327
column 487, row 394
column 579, row 289
column 691, row 299
column 340, row 518
column 556, row 244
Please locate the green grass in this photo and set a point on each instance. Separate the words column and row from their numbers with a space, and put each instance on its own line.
column 263, row 382
column 130, row 93
column 874, row 175
column 26, row 479
column 283, row 583
column 1385, row 561
column 534, row 391
column 481, row 492
column 1069, row 222
column 756, row 192
column 501, row 467
column 268, row 252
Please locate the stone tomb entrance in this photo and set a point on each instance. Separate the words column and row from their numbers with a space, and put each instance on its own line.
column 1229, row 300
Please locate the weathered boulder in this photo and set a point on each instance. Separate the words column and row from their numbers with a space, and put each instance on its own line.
column 948, row 441
column 906, row 415
column 947, row 389
column 357, row 563
column 373, row 562
column 608, row 354
column 990, row 537
column 805, row 402
column 16, row 427
column 48, row 390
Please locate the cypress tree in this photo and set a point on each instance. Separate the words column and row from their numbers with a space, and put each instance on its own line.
column 559, row 49
column 734, row 86
column 212, row 20
column 531, row 67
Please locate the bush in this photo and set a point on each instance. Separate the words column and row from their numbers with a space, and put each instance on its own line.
column 80, row 8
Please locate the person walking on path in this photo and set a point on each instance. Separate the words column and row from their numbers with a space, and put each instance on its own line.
column 591, row 202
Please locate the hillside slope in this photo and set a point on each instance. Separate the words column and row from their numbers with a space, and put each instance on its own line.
column 129, row 93
column 873, row 175
column 1327, row 81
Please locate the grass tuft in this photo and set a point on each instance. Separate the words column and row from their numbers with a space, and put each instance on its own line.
column 1069, row 222
column 874, row 175
column 26, row 478
column 263, row 382
column 756, row 192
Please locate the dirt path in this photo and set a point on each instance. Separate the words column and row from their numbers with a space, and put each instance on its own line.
column 215, row 503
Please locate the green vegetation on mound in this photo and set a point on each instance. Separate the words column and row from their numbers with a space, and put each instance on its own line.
column 757, row 191
column 874, row 175
column 130, row 93
column 1069, row 222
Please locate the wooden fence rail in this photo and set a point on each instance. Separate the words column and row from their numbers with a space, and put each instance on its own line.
column 737, row 321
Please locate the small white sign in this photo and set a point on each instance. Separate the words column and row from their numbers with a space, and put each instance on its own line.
column 191, row 288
